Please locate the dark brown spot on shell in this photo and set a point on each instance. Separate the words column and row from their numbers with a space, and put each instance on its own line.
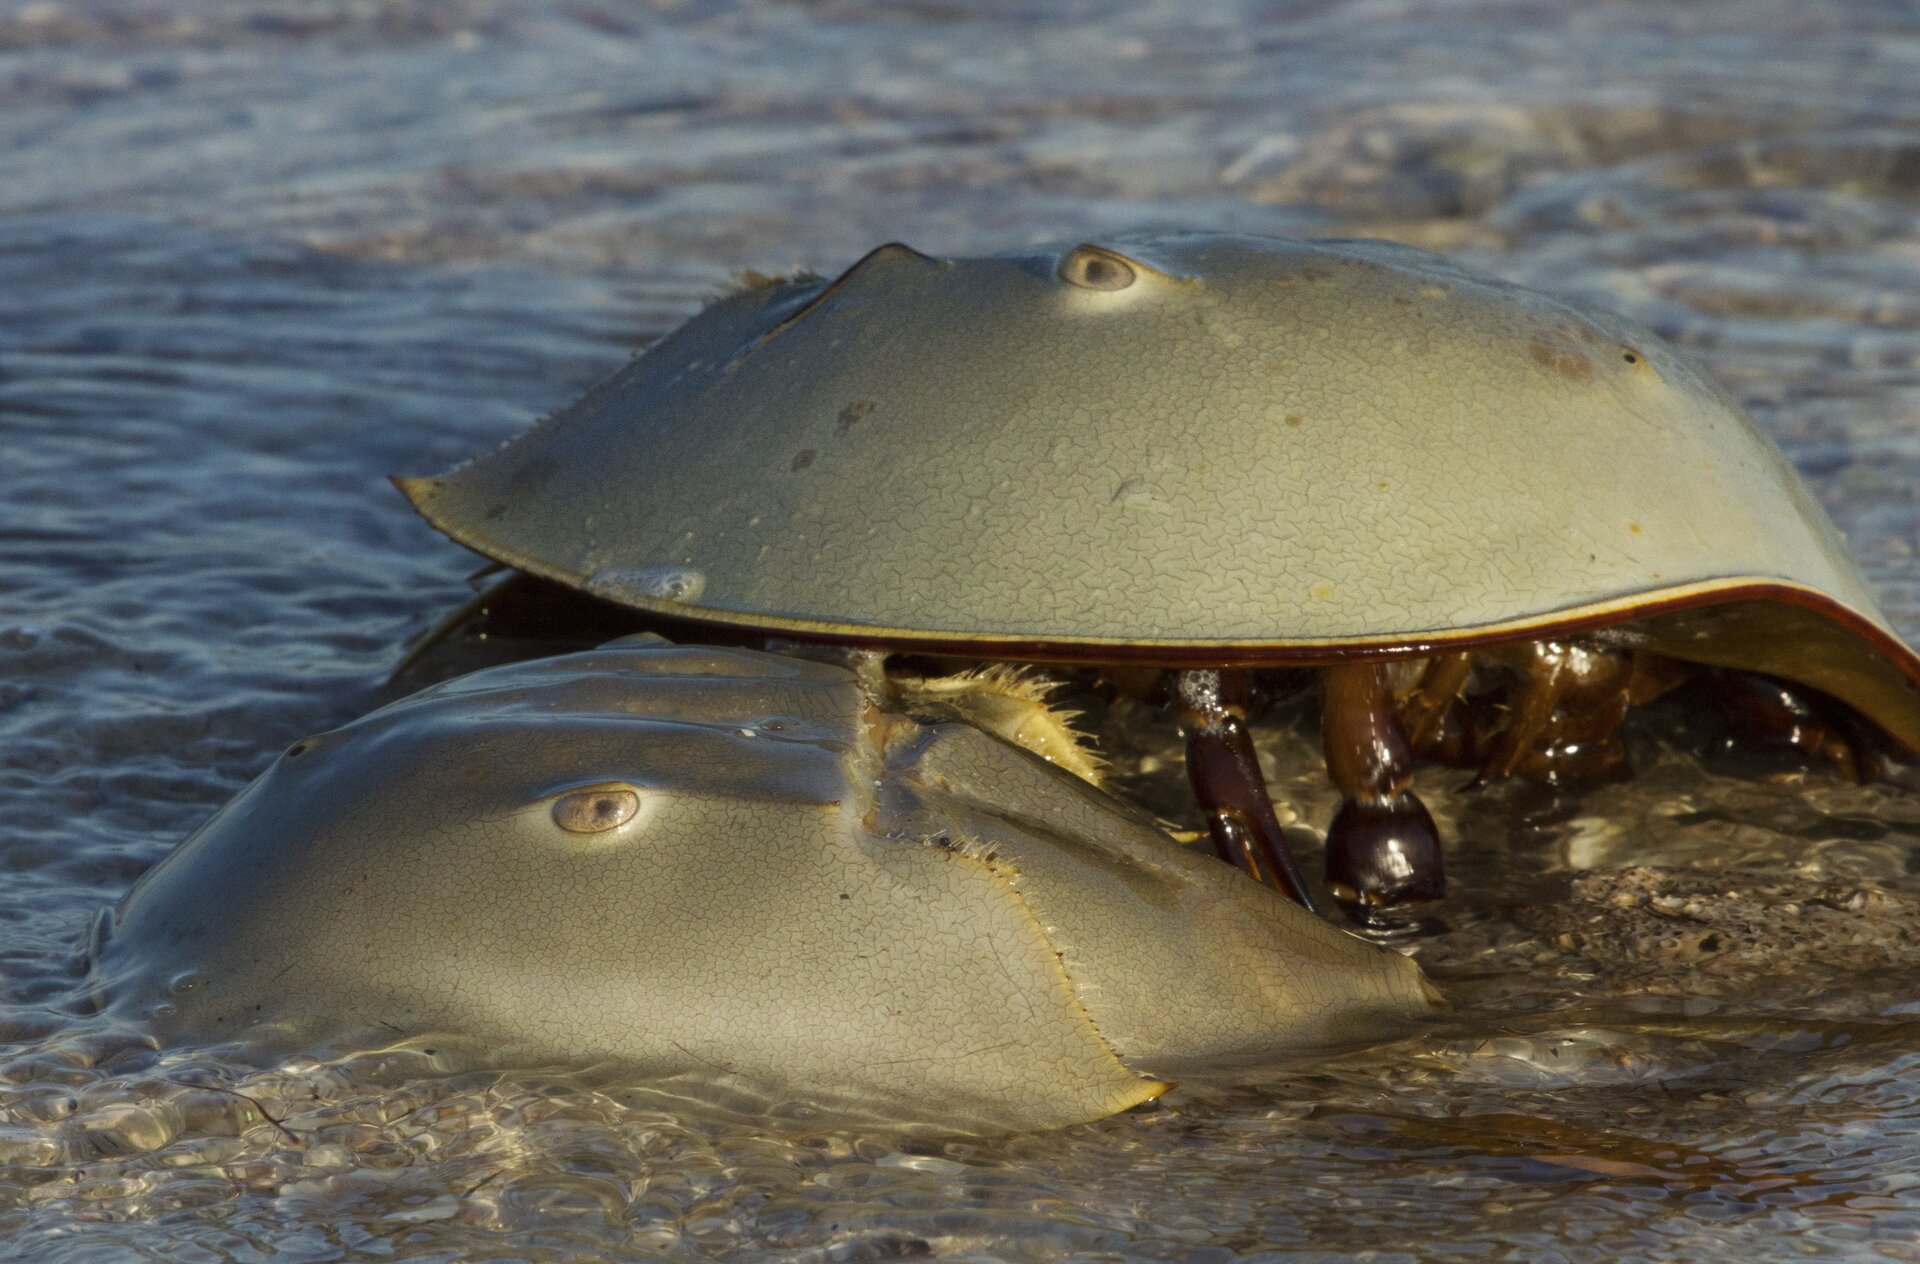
column 1294, row 419
column 1570, row 364
column 802, row 459
column 526, row 482
column 850, row 415
column 1308, row 275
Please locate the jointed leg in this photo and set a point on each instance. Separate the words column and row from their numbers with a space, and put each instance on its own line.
column 1427, row 711
column 1226, row 778
column 1774, row 710
column 1561, row 721
column 1382, row 848
column 1527, row 733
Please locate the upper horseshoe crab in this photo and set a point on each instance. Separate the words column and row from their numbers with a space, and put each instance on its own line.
column 1210, row 453
column 913, row 915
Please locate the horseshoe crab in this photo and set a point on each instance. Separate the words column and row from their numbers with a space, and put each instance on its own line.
column 1213, row 453
column 683, row 859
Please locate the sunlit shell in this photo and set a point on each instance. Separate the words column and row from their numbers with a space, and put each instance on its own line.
column 1184, row 447
column 604, row 858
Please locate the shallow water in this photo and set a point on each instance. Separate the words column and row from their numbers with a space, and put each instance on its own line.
column 253, row 257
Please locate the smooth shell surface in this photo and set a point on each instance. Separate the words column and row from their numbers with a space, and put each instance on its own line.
column 811, row 894
column 1255, row 449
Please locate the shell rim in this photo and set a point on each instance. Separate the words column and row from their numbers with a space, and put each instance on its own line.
column 1304, row 651
column 1277, row 652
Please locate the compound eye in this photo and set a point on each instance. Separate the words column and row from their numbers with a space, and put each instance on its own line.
column 595, row 810
column 1091, row 268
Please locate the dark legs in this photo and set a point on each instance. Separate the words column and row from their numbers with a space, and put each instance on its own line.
column 1774, row 711
column 1546, row 711
column 1382, row 848
column 1559, row 723
column 1435, row 726
column 1226, row 779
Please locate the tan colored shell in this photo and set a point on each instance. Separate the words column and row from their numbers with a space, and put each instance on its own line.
column 1259, row 450
column 796, row 888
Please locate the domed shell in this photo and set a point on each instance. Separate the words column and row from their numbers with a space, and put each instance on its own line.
column 915, row 918
column 1183, row 447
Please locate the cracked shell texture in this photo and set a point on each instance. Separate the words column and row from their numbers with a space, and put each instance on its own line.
column 1182, row 963
column 761, row 916
column 1257, row 440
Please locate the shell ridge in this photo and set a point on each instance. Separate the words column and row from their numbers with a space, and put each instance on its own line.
column 891, row 249
column 1149, row 1087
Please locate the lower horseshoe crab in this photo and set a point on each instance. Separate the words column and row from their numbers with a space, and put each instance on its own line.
column 1209, row 453
column 917, row 917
